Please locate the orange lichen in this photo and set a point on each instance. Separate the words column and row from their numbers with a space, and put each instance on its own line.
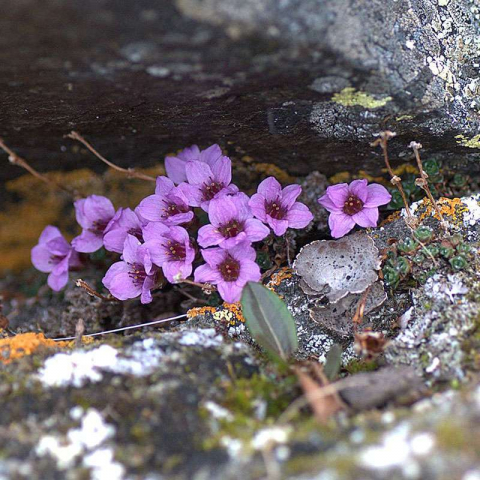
column 279, row 276
column 197, row 311
column 271, row 170
column 391, row 218
column 230, row 313
column 453, row 208
column 23, row 344
column 236, row 309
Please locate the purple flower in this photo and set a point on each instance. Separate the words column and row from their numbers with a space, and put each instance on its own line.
column 175, row 166
column 93, row 214
column 208, row 181
column 229, row 270
column 278, row 207
column 135, row 275
column 54, row 255
column 232, row 223
column 171, row 249
column 125, row 222
column 352, row 204
column 169, row 204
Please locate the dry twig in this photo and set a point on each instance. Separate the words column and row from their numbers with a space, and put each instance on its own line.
column 130, row 172
column 92, row 292
column 382, row 140
column 14, row 159
column 422, row 182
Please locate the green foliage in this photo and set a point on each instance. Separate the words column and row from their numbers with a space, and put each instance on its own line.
column 333, row 362
column 269, row 321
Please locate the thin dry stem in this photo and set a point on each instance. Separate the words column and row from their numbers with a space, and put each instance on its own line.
column 204, row 286
column 382, row 140
column 423, row 182
column 130, row 172
column 14, row 159
column 92, row 292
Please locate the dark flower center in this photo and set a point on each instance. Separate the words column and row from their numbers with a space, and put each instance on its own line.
column 55, row 259
column 174, row 209
column 209, row 190
column 98, row 227
column 275, row 210
column 137, row 273
column 352, row 205
column 231, row 229
column 176, row 251
column 229, row 269
column 137, row 233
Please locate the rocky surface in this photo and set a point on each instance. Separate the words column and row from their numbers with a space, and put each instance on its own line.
column 301, row 84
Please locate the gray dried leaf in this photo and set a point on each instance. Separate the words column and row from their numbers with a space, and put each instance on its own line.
column 336, row 268
column 337, row 317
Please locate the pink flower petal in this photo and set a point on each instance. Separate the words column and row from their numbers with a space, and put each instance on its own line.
column 97, row 208
column 130, row 250
column 279, row 227
column 257, row 204
column 340, row 224
column 367, row 217
column 211, row 154
column 377, row 195
column 326, row 202
column 49, row 233
column 214, row 256
column 154, row 230
column 255, row 230
column 151, row 208
column 221, row 211
column 198, row 173
column 243, row 251
column 270, row 189
column 338, row 194
column 163, row 186
column 57, row 282
column 299, row 216
column 249, row 272
column 222, row 170
column 206, row 274
column 41, row 258
column 359, row 188
column 87, row 242
column 175, row 168
column 289, row 194
column 208, row 236
column 230, row 292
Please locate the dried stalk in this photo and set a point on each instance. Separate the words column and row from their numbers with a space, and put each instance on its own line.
column 422, row 182
column 14, row 159
column 130, row 172
column 92, row 292
column 382, row 140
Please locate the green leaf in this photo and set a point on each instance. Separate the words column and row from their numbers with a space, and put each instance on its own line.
column 268, row 320
column 333, row 362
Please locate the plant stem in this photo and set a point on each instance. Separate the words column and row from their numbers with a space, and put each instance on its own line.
column 130, row 172
column 14, row 159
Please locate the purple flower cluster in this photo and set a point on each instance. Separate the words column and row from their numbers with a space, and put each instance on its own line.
column 155, row 241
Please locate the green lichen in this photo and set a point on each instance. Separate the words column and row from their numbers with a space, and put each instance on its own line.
column 349, row 97
column 473, row 142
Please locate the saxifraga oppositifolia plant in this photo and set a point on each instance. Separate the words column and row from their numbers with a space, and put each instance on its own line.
column 159, row 241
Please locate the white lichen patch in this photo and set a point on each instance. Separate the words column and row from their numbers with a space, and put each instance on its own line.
column 206, row 338
column 85, row 441
column 398, row 449
column 270, row 437
column 79, row 367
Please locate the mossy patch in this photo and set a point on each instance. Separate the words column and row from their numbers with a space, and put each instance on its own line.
column 350, row 97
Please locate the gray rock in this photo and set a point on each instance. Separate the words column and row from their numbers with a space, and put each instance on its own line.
column 299, row 83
